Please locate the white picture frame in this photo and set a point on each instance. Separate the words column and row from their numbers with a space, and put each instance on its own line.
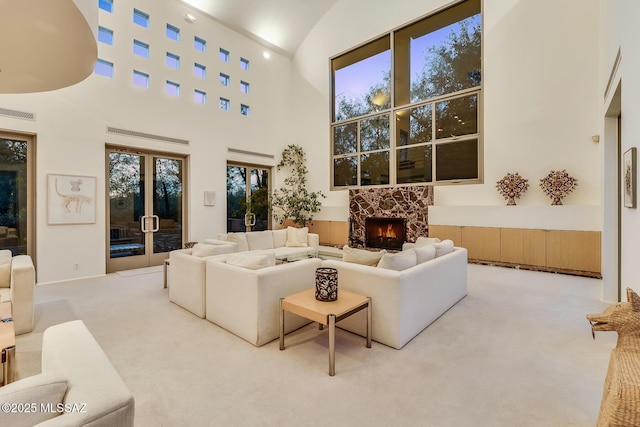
column 71, row 199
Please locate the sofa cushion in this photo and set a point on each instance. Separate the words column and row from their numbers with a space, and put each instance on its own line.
column 398, row 261
column 240, row 239
column 297, row 237
column 279, row 238
column 361, row 256
column 444, row 247
column 259, row 240
column 253, row 261
column 5, row 294
column 424, row 253
column 46, row 389
column 424, row 241
column 204, row 250
column 5, row 272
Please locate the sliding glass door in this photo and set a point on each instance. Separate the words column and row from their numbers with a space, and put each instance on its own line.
column 145, row 208
column 247, row 198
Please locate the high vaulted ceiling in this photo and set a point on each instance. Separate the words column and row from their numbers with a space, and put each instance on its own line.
column 282, row 24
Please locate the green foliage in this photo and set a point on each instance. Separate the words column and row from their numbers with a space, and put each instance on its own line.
column 293, row 200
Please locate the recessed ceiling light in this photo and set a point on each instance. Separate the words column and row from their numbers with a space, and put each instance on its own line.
column 266, row 55
column 189, row 18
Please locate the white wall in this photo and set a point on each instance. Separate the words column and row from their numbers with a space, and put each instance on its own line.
column 71, row 124
column 620, row 32
column 541, row 96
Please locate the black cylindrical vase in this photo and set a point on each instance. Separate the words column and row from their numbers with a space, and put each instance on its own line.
column 326, row 284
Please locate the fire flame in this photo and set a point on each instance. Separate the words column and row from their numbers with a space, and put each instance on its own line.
column 390, row 233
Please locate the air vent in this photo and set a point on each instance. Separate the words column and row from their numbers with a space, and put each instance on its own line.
column 250, row 153
column 116, row 131
column 17, row 114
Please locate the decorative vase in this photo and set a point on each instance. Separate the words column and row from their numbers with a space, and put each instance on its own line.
column 326, row 284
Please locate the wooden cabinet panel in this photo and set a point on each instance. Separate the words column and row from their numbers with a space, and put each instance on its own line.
column 332, row 233
column 339, row 233
column 482, row 243
column 522, row 246
column 573, row 250
column 323, row 229
column 550, row 250
column 443, row 232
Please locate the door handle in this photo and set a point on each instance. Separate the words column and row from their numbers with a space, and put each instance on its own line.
column 250, row 219
column 143, row 224
column 156, row 223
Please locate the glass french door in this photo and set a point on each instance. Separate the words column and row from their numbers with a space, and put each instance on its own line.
column 17, row 193
column 145, row 208
column 247, row 198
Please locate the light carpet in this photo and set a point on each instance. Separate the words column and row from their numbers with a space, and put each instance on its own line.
column 517, row 351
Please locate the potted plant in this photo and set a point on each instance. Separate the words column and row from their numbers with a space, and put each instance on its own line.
column 293, row 200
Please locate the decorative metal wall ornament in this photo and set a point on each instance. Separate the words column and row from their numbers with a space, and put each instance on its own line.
column 511, row 187
column 557, row 185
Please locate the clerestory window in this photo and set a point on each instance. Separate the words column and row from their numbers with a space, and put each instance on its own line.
column 406, row 106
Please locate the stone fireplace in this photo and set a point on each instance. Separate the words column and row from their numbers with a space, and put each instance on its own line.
column 407, row 204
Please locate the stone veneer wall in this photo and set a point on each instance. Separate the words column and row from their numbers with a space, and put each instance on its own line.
column 396, row 202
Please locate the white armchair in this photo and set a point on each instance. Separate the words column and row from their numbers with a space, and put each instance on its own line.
column 17, row 284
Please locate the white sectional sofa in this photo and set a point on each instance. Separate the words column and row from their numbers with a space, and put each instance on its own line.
column 246, row 302
column 187, row 285
column 78, row 385
column 403, row 302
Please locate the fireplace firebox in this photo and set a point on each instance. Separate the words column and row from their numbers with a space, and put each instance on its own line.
column 385, row 233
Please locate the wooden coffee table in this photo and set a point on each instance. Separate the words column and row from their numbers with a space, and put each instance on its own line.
column 7, row 343
column 325, row 313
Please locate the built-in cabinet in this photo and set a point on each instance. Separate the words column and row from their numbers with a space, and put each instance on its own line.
column 332, row 233
column 569, row 251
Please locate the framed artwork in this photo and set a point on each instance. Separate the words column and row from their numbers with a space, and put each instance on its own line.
column 629, row 177
column 71, row 199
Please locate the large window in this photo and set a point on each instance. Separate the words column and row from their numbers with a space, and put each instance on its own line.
column 406, row 106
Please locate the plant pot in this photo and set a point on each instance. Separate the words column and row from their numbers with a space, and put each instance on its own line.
column 326, row 284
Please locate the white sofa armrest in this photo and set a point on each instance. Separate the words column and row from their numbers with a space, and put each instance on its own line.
column 187, row 281
column 70, row 348
column 23, row 282
column 313, row 240
column 246, row 302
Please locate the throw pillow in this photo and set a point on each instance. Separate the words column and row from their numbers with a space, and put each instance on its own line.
column 398, row 261
column 297, row 237
column 424, row 241
column 240, row 239
column 279, row 238
column 203, row 250
column 444, row 247
column 425, row 253
column 252, row 261
column 47, row 388
column 361, row 256
column 260, row 240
